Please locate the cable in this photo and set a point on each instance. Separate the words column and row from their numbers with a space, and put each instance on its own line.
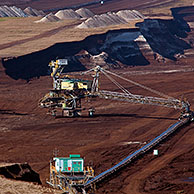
column 117, row 84
column 142, row 86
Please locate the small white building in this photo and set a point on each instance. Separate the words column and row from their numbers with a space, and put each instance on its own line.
column 155, row 152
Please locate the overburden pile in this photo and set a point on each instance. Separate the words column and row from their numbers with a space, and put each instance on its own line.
column 84, row 13
column 94, row 21
column 33, row 12
column 49, row 18
column 111, row 18
column 102, row 20
column 68, row 14
column 13, row 11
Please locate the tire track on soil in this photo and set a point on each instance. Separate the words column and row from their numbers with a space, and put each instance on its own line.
column 39, row 36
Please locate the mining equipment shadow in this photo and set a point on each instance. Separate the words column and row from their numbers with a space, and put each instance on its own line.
column 131, row 115
column 132, row 163
column 10, row 112
column 35, row 64
column 118, row 115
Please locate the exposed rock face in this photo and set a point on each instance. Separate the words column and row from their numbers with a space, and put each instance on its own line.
column 125, row 47
column 163, row 36
column 20, row 172
column 152, row 39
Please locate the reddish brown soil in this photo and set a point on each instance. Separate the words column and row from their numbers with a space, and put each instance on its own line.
column 28, row 134
column 43, row 4
column 110, row 5
column 43, row 35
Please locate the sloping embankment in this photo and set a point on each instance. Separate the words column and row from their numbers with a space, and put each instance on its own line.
column 20, row 172
column 130, row 47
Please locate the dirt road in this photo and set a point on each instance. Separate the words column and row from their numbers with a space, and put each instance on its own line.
column 42, row 35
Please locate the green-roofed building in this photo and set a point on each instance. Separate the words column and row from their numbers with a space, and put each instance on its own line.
column 73, row 163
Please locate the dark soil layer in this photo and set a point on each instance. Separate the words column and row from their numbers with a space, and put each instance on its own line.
column 94, row 5
column 160, row 35
column 28, row 134
column 20, row 172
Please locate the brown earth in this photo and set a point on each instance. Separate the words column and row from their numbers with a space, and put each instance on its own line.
column 24, row 36
column 28, row 134
column 19, row 172
column 11, row 186
column 146, row 6
column 39, row 36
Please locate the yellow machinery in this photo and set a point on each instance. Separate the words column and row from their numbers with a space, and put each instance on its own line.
column 66, row 83
column 67, row 93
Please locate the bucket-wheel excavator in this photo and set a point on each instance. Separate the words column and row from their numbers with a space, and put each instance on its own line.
column 67, row 93
column 68, row 174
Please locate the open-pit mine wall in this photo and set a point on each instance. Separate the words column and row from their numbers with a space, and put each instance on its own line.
column 128, row 47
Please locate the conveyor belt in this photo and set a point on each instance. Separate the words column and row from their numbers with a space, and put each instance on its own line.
column 142, row 150
column 170, row 103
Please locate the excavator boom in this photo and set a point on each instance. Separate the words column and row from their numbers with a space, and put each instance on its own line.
column 176, row 104
column 67, row 93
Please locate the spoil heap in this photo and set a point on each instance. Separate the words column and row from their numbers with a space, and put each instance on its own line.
column 129, row 15
column 14, row 11
column 33, row 12
column 67, row 14
column 103, row 20
column 94, row 21
column 111, row 18
column 84, row 13
column 49, row 18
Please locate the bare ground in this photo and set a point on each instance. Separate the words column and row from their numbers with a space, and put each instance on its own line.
column 28, row 134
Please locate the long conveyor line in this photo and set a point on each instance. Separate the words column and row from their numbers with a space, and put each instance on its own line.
column 137, row 153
